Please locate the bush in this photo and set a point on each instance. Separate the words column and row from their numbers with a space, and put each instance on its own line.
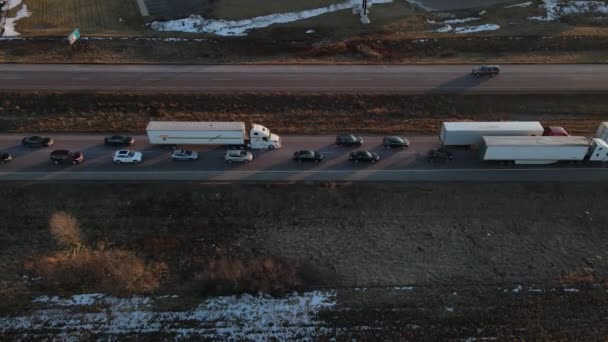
column 266, row 274
column 114, row 271
column 65, row 229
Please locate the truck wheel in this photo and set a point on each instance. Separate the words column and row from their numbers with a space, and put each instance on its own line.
column 229, row 161
column 271, row 147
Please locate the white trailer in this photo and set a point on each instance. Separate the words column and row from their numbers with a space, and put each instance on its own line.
column 543, row 150
column 211, row 133
column 472, row 133
column 602, row 131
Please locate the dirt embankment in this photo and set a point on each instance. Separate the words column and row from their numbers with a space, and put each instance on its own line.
column 345, row 235
column 294, row 113
column 294, row 46
column 486, row 260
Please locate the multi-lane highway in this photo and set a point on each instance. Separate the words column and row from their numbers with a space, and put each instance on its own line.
column 405, row 79
column 33, row 164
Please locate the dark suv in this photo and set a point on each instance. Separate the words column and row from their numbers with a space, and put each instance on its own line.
column 348, row 140
column 486, row 70
column 66, row 157
column 37, row 141
column 119, row 140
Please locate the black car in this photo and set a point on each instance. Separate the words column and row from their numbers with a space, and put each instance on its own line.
column 119, row 140
column 395, row 142
column 349, row 140
column 66, row 157
column 5, row 158
column 364, row 156
column 440, row 154
column 486, row 70
column 37, row 141
column 308, row 155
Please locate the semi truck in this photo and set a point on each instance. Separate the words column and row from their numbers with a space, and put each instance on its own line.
column 544, row 149
column 467, row 134
column 232, row 134
column 602, row 131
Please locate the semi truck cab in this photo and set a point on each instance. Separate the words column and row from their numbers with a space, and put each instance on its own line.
column 598, row 151
column 262, row 138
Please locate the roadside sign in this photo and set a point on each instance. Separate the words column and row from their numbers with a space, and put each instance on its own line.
column 74, row 36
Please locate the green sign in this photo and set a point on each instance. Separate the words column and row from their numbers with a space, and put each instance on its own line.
column 74, row 36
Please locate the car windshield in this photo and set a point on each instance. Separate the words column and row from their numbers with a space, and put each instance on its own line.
column 131, row 154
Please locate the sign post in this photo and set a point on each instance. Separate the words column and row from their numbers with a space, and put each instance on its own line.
column 74, row 38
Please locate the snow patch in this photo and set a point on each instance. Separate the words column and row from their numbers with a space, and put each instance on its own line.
column 556, row 9
column 570, row 290
column 243, row 317
column 480, row 28
column 9, row 24
column 198, row 24
column 517, row 289
column 523, row 4
column 458, row 21
column 10, row 5
column 403, row 288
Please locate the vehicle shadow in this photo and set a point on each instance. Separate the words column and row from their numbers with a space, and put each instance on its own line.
column 459, row 85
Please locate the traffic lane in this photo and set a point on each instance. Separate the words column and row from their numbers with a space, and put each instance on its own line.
column 100, row 158
column 376, row 80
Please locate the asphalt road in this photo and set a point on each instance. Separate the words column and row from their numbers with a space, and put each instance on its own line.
column 406, row 79
column 33, row 164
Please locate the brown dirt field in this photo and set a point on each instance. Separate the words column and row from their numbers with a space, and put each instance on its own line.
column 291, row 114
column 359, row 234
column 461, row 246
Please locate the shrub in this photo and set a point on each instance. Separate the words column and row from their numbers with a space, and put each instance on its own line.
column 266, row 274
column 65, row 229
column 114, row 271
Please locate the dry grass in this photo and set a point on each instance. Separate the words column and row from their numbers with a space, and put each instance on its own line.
column 112, row 271
column 92, row 17
column 266, row 275
column 65, row 229
column 295, row 114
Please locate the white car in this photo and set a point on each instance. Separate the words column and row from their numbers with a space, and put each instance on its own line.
column 238, row 156
column 184, row 155
column 127, row 156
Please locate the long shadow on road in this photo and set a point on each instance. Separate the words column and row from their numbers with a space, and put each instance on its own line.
column 459, row 85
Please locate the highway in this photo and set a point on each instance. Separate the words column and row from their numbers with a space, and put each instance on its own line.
column 402, row 79
column 33, row 164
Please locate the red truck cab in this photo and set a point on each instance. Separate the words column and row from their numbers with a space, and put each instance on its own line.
column 554, row 131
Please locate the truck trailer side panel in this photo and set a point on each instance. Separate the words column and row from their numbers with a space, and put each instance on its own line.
column 196, row 133
column 535, row 150
column 472, row 133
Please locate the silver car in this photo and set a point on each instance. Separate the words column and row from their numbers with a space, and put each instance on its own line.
column 238, row 156
column 184, row 155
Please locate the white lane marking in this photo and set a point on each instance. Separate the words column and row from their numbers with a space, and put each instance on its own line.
column 134, row 172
